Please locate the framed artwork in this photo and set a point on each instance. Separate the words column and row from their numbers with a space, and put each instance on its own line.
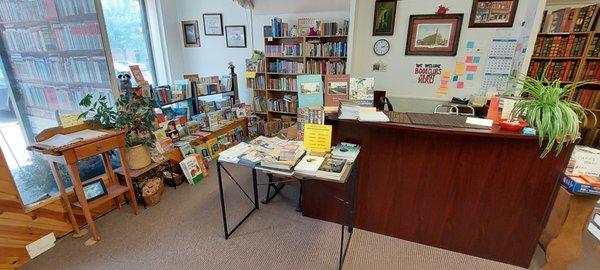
column 235, row 35
column 191, row 35
column 433, row 34
column 493, row 13
column 384, row 17
column 94, row 190
column 213, row 24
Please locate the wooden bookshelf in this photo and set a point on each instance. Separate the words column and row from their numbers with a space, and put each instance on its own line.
column 304, row 58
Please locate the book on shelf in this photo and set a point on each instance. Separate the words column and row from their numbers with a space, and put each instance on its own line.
column 560, row 70
column 325, row 66
column 260, row 104
column 591, row 71
column 284, row 83
column 337, row 88
column 310, row 91
column 594, row 50
column 329, row 29
column 78, row 69
column 273, row 126
column 286, row 104
column 587, row 98
column 284, row 50
column 257, row 83
column 327, row 49
column 278, row 27
column 559, row 46
column 361, row 91
column 285, row 66
column 570, row 20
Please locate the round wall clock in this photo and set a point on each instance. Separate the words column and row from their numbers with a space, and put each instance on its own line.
column 381, row 47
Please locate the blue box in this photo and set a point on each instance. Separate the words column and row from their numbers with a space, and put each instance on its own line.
column 577, row 185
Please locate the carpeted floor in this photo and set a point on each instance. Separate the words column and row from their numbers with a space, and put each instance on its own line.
column 184, row 231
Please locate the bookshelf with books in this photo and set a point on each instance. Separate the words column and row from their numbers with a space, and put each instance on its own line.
column 54, row 55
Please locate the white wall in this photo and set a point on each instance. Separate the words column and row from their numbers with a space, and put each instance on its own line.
column 399, row 81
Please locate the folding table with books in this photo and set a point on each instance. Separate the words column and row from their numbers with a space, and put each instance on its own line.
column 249, row 156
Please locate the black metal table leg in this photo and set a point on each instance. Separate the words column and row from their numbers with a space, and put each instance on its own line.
column 276, row 189
column 222, row 197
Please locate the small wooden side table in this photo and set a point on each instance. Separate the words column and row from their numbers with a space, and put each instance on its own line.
column 566, row 224
column 72, row 153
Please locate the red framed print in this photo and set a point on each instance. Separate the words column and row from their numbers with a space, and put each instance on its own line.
column 433, row 34
column 493, row 13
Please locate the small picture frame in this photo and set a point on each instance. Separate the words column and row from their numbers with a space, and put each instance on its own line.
column 94, row 190
column 213, row 24
column 384, row 17
column 235, row 36
column 191, row 35
column 493, row 13
column 433, row 34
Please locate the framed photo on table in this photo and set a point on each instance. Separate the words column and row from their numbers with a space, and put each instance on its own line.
column 384, row 17
column 191, row 35
column 493, row 13
column 94, row 190
column 433, row 34
column 213, row 24
column 235, row 36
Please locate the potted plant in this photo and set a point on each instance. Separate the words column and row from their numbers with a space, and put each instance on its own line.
column 547, row 108
column 133, row 113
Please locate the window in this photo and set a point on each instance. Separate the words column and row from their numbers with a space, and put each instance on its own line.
column 52, row 55
column 128, row 36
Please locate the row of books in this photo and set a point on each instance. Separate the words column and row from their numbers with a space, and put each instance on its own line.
column 278, row 28
column 595, row 47
column 260, row 104
column 588, row 98
column 285, row 83
column 215, row 105
column 167, row 94
column 81, row 69
column 591, row 71
column 256, row 126
column 257, row 82
column 325, row 67
column 18, row 11
column 326, row 49
column 288, row 104
column 570, row 20
column 32, row 39
column 314, row 115
column 284, row 50
column 60, row 98
column 62, row 37
column 277, row 124
column 284, row 66
column 329, row 29
column 559, row 46
column 563, row 70
column 75, row 7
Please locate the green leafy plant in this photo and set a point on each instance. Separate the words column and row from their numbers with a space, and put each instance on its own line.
column 134, row 114
column 547, row 109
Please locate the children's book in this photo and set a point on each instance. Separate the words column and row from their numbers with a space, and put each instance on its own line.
column 361, row 91
column 193, row 168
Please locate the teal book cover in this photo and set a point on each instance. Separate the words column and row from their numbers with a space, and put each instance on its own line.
column 310, row 91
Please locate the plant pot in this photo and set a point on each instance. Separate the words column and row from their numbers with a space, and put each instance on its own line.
column 138, row 157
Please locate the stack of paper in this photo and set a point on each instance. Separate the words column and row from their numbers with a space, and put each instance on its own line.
column 347, row 151
column 309, row 165
column 59, row 140
column 372, row 116
column 232, row 154
column 348, row 110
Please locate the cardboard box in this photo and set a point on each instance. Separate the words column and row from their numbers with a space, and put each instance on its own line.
column 577, row 184
column 584, row 160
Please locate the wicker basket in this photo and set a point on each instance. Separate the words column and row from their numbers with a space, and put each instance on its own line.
column 152, row 191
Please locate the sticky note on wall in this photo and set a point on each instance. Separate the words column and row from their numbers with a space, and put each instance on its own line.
column 476, row 59
column 469, row 59
column 470, row 44
column 459, row 69
column 470, row 76
column 460, row 85
column 472, row 68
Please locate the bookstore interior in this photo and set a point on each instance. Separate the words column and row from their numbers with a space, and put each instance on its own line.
column 281, row 134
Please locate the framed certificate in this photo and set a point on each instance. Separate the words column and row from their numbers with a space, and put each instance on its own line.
column 213, row 24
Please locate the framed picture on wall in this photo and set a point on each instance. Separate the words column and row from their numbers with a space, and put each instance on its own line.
column 191, row 35
column 235, row 36
column 493, row 13
column 384, row 17
column 433, row 34
column 213, row 24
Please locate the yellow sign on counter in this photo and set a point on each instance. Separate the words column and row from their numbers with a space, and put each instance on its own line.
column 317, row 138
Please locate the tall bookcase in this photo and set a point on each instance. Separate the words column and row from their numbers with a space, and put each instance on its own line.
column 284, row 67
column 54, row 54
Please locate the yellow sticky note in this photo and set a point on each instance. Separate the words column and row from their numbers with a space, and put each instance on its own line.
column 317, row 137
column 443, row 90
column 250, row 74
column 459, row 69
column 447, row 74
column 69, row 120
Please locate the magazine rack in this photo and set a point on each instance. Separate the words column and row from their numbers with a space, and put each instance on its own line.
column 70, row 154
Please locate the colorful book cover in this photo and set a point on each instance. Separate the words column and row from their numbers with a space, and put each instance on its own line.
column 336, row 89
column 310, row 91
column 202, row 149
column 213, row 118
column 361, row 90
column 213, row 148
column 193, row 126
column 186, row 149
column 137, row 74
column 193, row 168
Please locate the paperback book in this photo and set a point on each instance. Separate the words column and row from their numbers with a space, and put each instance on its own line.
column 361, row 91
column 193, row 168
column 336, row 89
column 310, row 91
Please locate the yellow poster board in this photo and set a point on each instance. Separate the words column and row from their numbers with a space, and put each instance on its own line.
column 250, row 74
column 317, row 138
column 69, row 120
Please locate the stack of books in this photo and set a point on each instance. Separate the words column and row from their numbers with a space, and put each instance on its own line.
column 347, row 151
column 348, row 110
column 334, row 169
column 309, row 165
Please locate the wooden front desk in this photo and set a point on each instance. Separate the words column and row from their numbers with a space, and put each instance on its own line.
column 478, row 192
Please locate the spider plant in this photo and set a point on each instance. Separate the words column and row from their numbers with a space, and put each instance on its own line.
column 548, row 109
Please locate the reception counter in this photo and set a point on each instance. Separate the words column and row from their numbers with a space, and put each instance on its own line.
column 484, row 193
